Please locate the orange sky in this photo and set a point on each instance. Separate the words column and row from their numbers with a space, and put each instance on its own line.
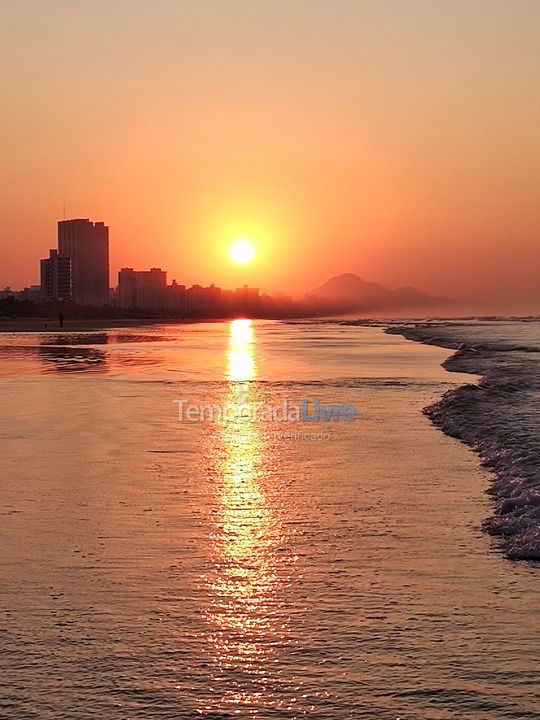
column 396, row 139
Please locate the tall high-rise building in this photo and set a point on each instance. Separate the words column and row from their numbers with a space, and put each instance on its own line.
column 87, row 244
column 56, row 277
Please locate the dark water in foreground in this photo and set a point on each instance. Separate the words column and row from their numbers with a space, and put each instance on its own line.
column 162, row 569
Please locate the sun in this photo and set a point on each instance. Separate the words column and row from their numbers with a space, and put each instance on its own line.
column 241, row 251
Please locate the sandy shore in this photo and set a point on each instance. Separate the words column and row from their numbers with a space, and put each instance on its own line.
column 48, row 324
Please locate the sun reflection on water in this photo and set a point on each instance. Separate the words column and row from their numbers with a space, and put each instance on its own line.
column 248, row 625
column 240, row 354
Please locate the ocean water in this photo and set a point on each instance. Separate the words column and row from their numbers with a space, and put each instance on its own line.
column 242, row 566
column 499, row 417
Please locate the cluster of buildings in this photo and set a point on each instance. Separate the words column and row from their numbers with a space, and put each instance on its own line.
column 149, row 289
column 78, row 271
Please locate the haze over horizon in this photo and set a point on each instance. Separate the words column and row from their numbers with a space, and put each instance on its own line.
column 395, row 140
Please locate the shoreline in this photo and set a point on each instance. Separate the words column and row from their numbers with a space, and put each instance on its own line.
column 47, row 325
column 489, row 417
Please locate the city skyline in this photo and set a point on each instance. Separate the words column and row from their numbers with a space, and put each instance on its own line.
column 110, row 294
column 77, row 271
column 74, row 280
column 397, row 140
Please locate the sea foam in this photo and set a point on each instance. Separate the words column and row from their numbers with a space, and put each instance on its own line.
column 499, row 417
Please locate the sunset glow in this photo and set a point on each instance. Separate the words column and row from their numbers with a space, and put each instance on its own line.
column 242, row 251
column 409, row 172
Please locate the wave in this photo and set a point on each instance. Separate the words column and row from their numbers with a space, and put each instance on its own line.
column 499, row 418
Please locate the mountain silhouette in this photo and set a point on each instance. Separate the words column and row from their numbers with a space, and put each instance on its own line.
column 352, row 292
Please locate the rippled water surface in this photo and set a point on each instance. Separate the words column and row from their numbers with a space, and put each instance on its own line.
column 242, row 566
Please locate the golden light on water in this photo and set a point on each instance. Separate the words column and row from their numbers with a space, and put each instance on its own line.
column 246, row 612
column 240, row 353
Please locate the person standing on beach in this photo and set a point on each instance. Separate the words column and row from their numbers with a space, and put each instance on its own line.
column 61, row 319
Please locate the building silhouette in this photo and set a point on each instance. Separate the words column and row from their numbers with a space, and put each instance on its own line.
column 56, row 277
column 247, row 299
column 176, row 298
column 78, row 271
column 87, row 245
column 142, row 288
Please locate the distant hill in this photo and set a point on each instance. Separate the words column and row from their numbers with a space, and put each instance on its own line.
column 353, row 293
